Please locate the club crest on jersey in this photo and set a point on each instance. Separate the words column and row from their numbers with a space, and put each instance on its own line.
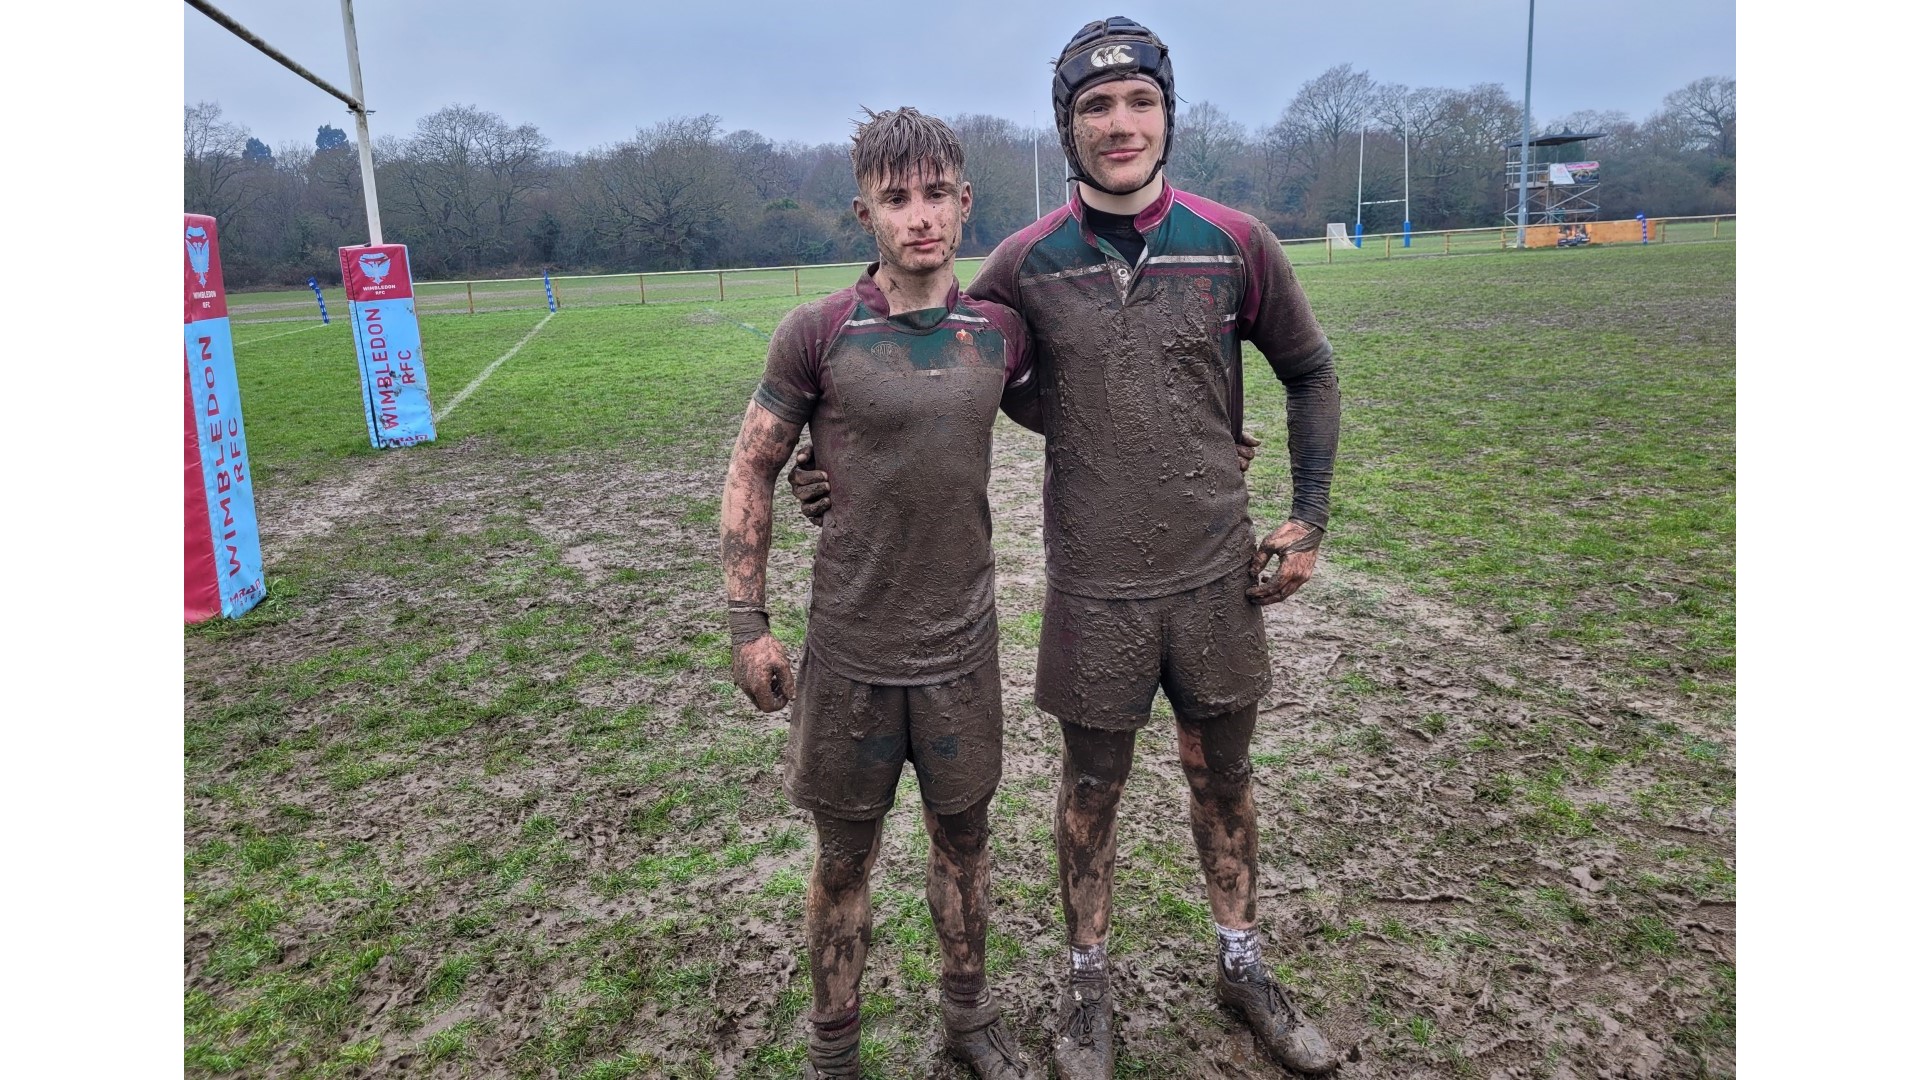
column 376, row 265
column 964, row 337
column 198, row 254
column 1109, row 55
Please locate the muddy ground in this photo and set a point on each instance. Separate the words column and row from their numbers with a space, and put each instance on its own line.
column 518, row 824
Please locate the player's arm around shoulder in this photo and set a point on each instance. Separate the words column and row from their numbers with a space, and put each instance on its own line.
column 781, row 406
column 1020, row 388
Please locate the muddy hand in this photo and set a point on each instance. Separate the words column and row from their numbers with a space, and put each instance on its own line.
column 760, row 668
column 1246, row 447
column 1298, row 546
column 809, row 485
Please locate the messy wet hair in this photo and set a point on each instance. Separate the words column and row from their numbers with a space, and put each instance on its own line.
column 891, row 145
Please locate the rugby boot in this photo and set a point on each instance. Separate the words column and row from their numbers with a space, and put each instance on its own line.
column 835, row 1057
column 1281, row 1029
column 1083, row 1050
column 977, row 1039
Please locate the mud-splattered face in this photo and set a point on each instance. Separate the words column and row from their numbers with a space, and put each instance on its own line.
column 916, row 219
column 1120, row 131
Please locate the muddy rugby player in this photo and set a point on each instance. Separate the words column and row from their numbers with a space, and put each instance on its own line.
column 1138, row 297
column 899, row 379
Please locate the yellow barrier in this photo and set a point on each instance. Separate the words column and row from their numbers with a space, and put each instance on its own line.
column 1587, row 232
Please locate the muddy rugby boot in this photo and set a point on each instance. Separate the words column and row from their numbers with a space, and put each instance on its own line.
column 1084, row 1048
column 976, row 1038
column 1281, row 1029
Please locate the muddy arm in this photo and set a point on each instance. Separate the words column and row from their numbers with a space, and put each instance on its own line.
column 760, row 666
column 1313, row 434
column 746, row 506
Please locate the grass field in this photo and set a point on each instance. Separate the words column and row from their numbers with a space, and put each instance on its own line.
column 471, row 794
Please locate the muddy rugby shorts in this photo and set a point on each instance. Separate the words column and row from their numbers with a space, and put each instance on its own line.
column 1101, row 661
column 847, row 741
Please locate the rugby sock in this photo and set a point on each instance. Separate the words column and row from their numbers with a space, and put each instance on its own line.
column 831, row 1028
column 967, row 993
column 1088, row 959
column 834, row 1042
column 1239, row 951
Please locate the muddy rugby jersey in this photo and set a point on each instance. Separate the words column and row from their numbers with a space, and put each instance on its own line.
column 1138, row 371
column 901, row 409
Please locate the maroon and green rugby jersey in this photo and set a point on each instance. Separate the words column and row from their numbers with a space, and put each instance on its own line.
column 1138, row 371
column 901, row 409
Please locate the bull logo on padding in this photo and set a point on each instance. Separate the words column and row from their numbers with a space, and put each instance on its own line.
column 199, row 252
column 376, row 265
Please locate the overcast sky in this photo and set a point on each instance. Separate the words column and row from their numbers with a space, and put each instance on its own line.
column 590, row 73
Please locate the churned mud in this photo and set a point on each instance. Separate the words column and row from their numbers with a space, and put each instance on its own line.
column 1481, row 854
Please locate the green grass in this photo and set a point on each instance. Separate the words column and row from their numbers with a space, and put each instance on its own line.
column 1545, row 434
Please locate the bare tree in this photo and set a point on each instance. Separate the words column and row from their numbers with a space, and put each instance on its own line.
column 829, row 178
column 1283, row 164
column 1206, row 153
column 664, row 195
column 1000, row 168
column 1331, row 105
column 461, row 183
column 1417, row 114
column 333, row 181
column 1467, row 154
column 772, row 171
column 215, row 162
column 1438, row 152
column 1706, row 107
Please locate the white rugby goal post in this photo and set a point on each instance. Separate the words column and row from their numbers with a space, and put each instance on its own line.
column 1337, row 234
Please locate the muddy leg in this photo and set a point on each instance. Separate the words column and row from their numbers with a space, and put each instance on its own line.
column 840, row 914
column 957, row 896
column 1213, row 752
column 1093, row 773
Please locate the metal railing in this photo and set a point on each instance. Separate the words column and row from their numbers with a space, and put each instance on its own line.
column 763, row 282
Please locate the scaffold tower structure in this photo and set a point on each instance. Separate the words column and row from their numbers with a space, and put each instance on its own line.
column 1559, row 184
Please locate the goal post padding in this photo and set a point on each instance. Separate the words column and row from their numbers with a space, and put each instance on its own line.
column 223, row 569
column 386, row 338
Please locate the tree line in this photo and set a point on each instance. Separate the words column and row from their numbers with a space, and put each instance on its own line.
column 475, row 195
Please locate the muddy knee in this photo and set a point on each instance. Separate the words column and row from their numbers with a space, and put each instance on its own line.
column 960, row 837
column 1088, row 793
column 1214, row 753
column 845, row 856
column 1094, row 766
column 1223, row 782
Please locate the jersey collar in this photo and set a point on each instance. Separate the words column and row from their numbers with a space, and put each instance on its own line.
column 1146, row 220
column 868, row 292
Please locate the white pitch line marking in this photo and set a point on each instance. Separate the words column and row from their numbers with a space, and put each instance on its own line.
column 490, row 368
column 282, row 333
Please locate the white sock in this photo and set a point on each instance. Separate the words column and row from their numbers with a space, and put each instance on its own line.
column 1239, row 951
column 1088, row 959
